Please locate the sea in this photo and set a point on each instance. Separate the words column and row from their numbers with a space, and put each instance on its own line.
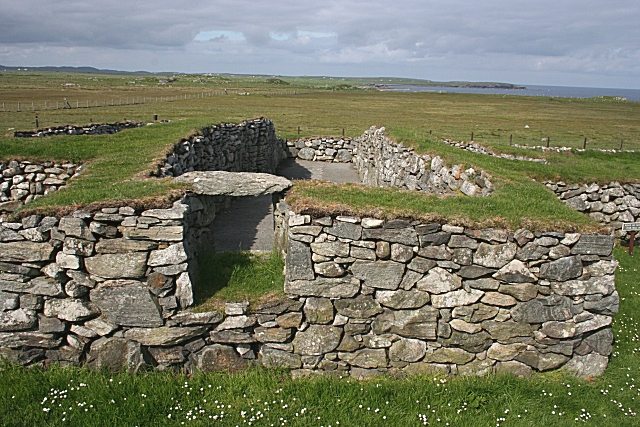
column 531, row 90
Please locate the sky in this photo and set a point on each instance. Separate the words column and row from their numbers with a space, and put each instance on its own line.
column 592, row 43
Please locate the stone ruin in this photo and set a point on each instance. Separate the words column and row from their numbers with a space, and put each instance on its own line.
column 113, row 288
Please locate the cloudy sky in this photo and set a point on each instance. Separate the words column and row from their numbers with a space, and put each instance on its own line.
column 551, row 42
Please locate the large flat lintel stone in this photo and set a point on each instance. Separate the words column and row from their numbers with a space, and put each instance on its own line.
column 236, row 184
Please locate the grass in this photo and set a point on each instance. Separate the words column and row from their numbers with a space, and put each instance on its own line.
column 80, row 397
column 237, row 276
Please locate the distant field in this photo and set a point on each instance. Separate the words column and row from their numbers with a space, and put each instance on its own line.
column 318, row 108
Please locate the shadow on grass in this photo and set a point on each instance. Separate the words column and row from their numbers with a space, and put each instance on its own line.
column 237, row 276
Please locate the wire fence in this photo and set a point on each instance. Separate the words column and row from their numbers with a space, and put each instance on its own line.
column 65, row 104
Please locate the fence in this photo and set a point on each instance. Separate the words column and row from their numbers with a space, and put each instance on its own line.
column 20, row 106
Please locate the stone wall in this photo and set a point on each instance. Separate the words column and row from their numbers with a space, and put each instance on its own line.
column 24, row 181
column 251, row 146
column 474, row 147
column 610, row 205
column 383, row 163
column 93, row 129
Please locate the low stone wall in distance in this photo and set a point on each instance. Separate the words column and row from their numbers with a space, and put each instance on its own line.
column 611, row 204
column 22, row 182
column 251, row 146
column 93, row 129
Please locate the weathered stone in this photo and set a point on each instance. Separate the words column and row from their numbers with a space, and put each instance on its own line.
column 514, row 368
column 235, row 184
column 75, row 227
column 218, row 357
column 51, row 325
column 269, row 335
column 75, row 246
column 475, row 313
column 383, row 250
column 163, row 336
column 116, row 266
column 318, row 310
column 363, row 253
column 505, row 352
column 436, row 252
column 289, row 320
column 161, row 234
column 43, row 286
column 498, row 299
column 72, row 310
column 596, row 322
column 434, row 239
column 278, row 307
column 601, row 341
column 608, row 305
column 17, row 320
column 544, row 309
column 167, row 356
column 307, row 153
column 25, row 252
column 7, row 267
column 101, row 326
column 127, row 303
column 406, row 236
column 273, row 358
column 328, row 269
column 515, row 272
column 378, row 274
column 192, row 319
column 461, row 241
column 421, row 323
column 174, row 254
column 439, row 281
column 503, row 331
column 231, row 337
column 477, row 368
column 9, row 301
column 590, row 365
column 323, row 287
column 361, row 307
column 462, row 256
column 474, row 271
column 562, row 269
column 184, row 290
column 401, row 253
column 456, row 298
column 463, row 326
column 331, row 249
column 345, row 230
column 349, row 344
column 407, row 350
column 594, row 245
column 317, row 340
column 299, row 265
column 562, row 330
column 68, row 261
column 602, row 268
column 28, row 339
column 366, row 358
column 520, row 291
column 541, row 361
column 596, row 285
column 81, row 278
column 402, row 299
column 421, row 265
column 236, row 322
column 449, row 355
column 494, row 256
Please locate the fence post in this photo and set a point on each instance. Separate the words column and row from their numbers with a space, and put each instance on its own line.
column 471, row 136
column 511, row 139
column 299, row 131
column 37, row 125
column 621, row 144
column 342, row 131
column 548, row 141
column 584, row 146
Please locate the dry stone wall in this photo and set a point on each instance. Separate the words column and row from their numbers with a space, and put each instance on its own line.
column 251, row 146
column 611, row 204
column 381, row 162
column 93, row 129
column 474, row 147
column 109, row 289
column 24, row 181
column 382, row 296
